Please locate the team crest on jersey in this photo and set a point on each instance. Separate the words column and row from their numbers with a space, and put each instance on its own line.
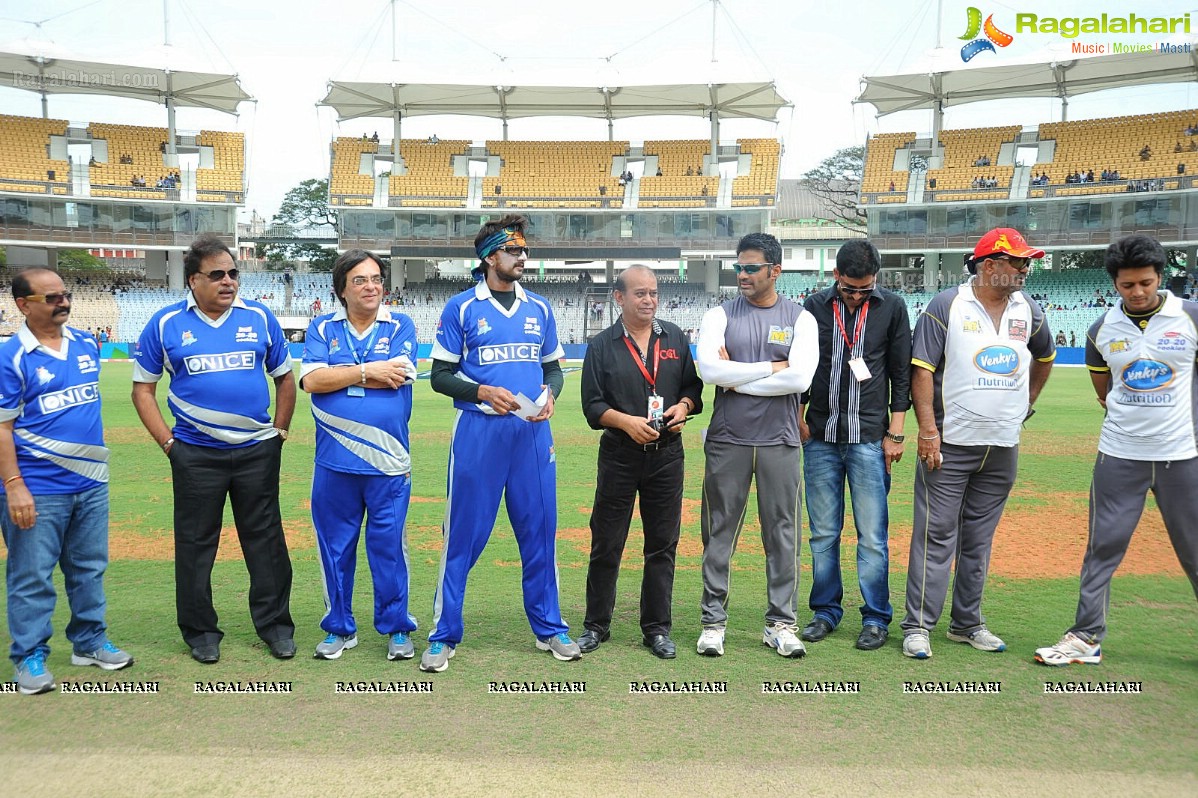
column 782, row 336
column 334, row 346
column 43, row 375
column 1119, row 346
column 246, row 335
column 1017, row 330
column 187, row 339
column 483, row 326
column 971, row 326
column 87, row 365
column 1172, row 342
column 532, row 325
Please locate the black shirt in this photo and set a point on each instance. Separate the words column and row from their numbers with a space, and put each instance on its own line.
column 839, row 408
column 612, row 378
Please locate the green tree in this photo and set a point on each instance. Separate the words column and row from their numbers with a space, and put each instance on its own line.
column 837, row 183
column 79, row 260
column 305, row 206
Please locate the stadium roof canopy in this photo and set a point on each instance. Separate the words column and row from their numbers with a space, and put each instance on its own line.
column 1062, row 79
column 45, row 75
column 727, row 100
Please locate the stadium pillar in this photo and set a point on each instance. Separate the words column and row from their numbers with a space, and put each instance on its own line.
column 931, row 271
column 174, row 270
column 31, row 257
column 710, row 269
column 396, row 119
column 155, row 264
column 1192, row 261
column 609, row 272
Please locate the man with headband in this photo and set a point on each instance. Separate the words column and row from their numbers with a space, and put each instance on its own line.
column 497, row 346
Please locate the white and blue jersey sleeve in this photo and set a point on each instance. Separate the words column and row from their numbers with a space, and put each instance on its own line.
column 53, row 400
column 361, row 431
column 497, row 346
column 218, row 392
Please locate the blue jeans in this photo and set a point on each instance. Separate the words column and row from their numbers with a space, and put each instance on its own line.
column 71, row 531
column 825, row 468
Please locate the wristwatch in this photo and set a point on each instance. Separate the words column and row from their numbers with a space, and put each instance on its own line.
column 895, row 438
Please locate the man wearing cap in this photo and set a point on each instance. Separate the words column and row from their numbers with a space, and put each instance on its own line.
column 496, row 354
column 981, row 353
column 638, row 385
column 1141, row 359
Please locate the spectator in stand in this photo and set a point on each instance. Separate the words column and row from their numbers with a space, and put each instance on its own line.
column 1177, row 147
column 891, row 185
column 1181, row 168
column 1060, row 338
column 1072, row 338
column 1145, row 153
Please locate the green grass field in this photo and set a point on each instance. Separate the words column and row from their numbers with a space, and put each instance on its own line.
column 463, row 739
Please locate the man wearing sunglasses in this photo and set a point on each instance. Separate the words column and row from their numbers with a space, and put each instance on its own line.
column 853, row 432
column 981, row 353
column 54, row 498
column 495, row 342
column 761, row 349
column 219, row 349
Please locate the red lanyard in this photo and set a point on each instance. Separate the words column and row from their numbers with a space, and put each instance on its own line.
column 860, row 323
column 640, row 364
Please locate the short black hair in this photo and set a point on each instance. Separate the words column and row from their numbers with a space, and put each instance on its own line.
column 764, row 243
column 345, row 264
column 858, row 259
column 203, row 247
column 20, row 281
column 1133, row 252
column 621, row 286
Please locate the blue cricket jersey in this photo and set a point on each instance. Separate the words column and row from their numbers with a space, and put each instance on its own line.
column 53, row 400
column 493, row 346
column 363, row 431
column 218, row 392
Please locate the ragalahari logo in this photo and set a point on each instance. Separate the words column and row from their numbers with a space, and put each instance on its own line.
column 992, row 36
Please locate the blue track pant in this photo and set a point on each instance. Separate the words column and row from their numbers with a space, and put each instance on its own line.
column 339, row 501
column 489, row 457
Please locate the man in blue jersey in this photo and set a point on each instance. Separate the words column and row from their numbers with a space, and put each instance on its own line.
column 54, row 466
column 359, row 366
column 1141, row 357
column 216, row 346
column 497, row 354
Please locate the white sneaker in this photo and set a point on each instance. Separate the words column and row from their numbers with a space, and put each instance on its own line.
column 1072, row 650
column 783, row 639
column 711, row 642
column 917, row 644
column 982, row 639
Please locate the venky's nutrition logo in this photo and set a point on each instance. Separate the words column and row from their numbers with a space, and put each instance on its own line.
column 993, row 36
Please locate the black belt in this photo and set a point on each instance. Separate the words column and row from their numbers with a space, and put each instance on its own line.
column 663, row 442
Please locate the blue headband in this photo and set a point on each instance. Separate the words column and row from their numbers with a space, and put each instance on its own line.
column 496, row 240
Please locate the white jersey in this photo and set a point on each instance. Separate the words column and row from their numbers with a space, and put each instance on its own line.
column 980, row 371
column 1152, row 405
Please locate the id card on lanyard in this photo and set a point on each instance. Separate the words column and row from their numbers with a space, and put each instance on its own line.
column 359, row 357
column 856, row 364
column 656, row 405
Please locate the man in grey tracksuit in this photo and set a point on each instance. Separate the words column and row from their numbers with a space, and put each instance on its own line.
column 761, row 350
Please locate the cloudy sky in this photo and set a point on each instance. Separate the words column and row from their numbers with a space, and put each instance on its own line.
column 286, row 52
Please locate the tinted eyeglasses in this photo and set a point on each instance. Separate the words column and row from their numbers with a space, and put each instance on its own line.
column 750, row 268
column 49, row 299
column 514, row 251
column 361, row 280
column 1014, row 263
column 850, row 291
column 216, row 275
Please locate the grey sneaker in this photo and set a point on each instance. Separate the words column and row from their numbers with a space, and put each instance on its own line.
column 334, row 646
column 32, row 676
column 108, row 657
column 436, row 657
column 711, row 642
column 782, row 638
column 917, row 644
column 562, row 646
column 982, row 639
column 400, row 647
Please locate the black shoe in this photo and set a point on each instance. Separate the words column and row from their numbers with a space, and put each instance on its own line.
column 590, row 640
column 661, row 646
column 816, row 631
column 206, row 654
column 282, row 649
column 872, row 637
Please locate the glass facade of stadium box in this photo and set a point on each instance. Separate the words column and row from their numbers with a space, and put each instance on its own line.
column 376, row 229
column 100, row 222
column 1081, row 223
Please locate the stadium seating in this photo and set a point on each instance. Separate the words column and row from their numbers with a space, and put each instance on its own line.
column 879, row 170
column 428, row 178
column 227, row 175
column 760, row 186
column 675, row 188
column 554, row 174
column 347, row 186
column 24, row 150
column 962, row 148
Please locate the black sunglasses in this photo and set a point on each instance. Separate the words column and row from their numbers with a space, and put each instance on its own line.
column 216, row 275
column 844, row 289
column 750, row 268
column 49, row 299
column 515, row 252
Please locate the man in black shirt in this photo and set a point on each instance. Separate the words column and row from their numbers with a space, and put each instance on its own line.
column 851, row 424
column 638, row 385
